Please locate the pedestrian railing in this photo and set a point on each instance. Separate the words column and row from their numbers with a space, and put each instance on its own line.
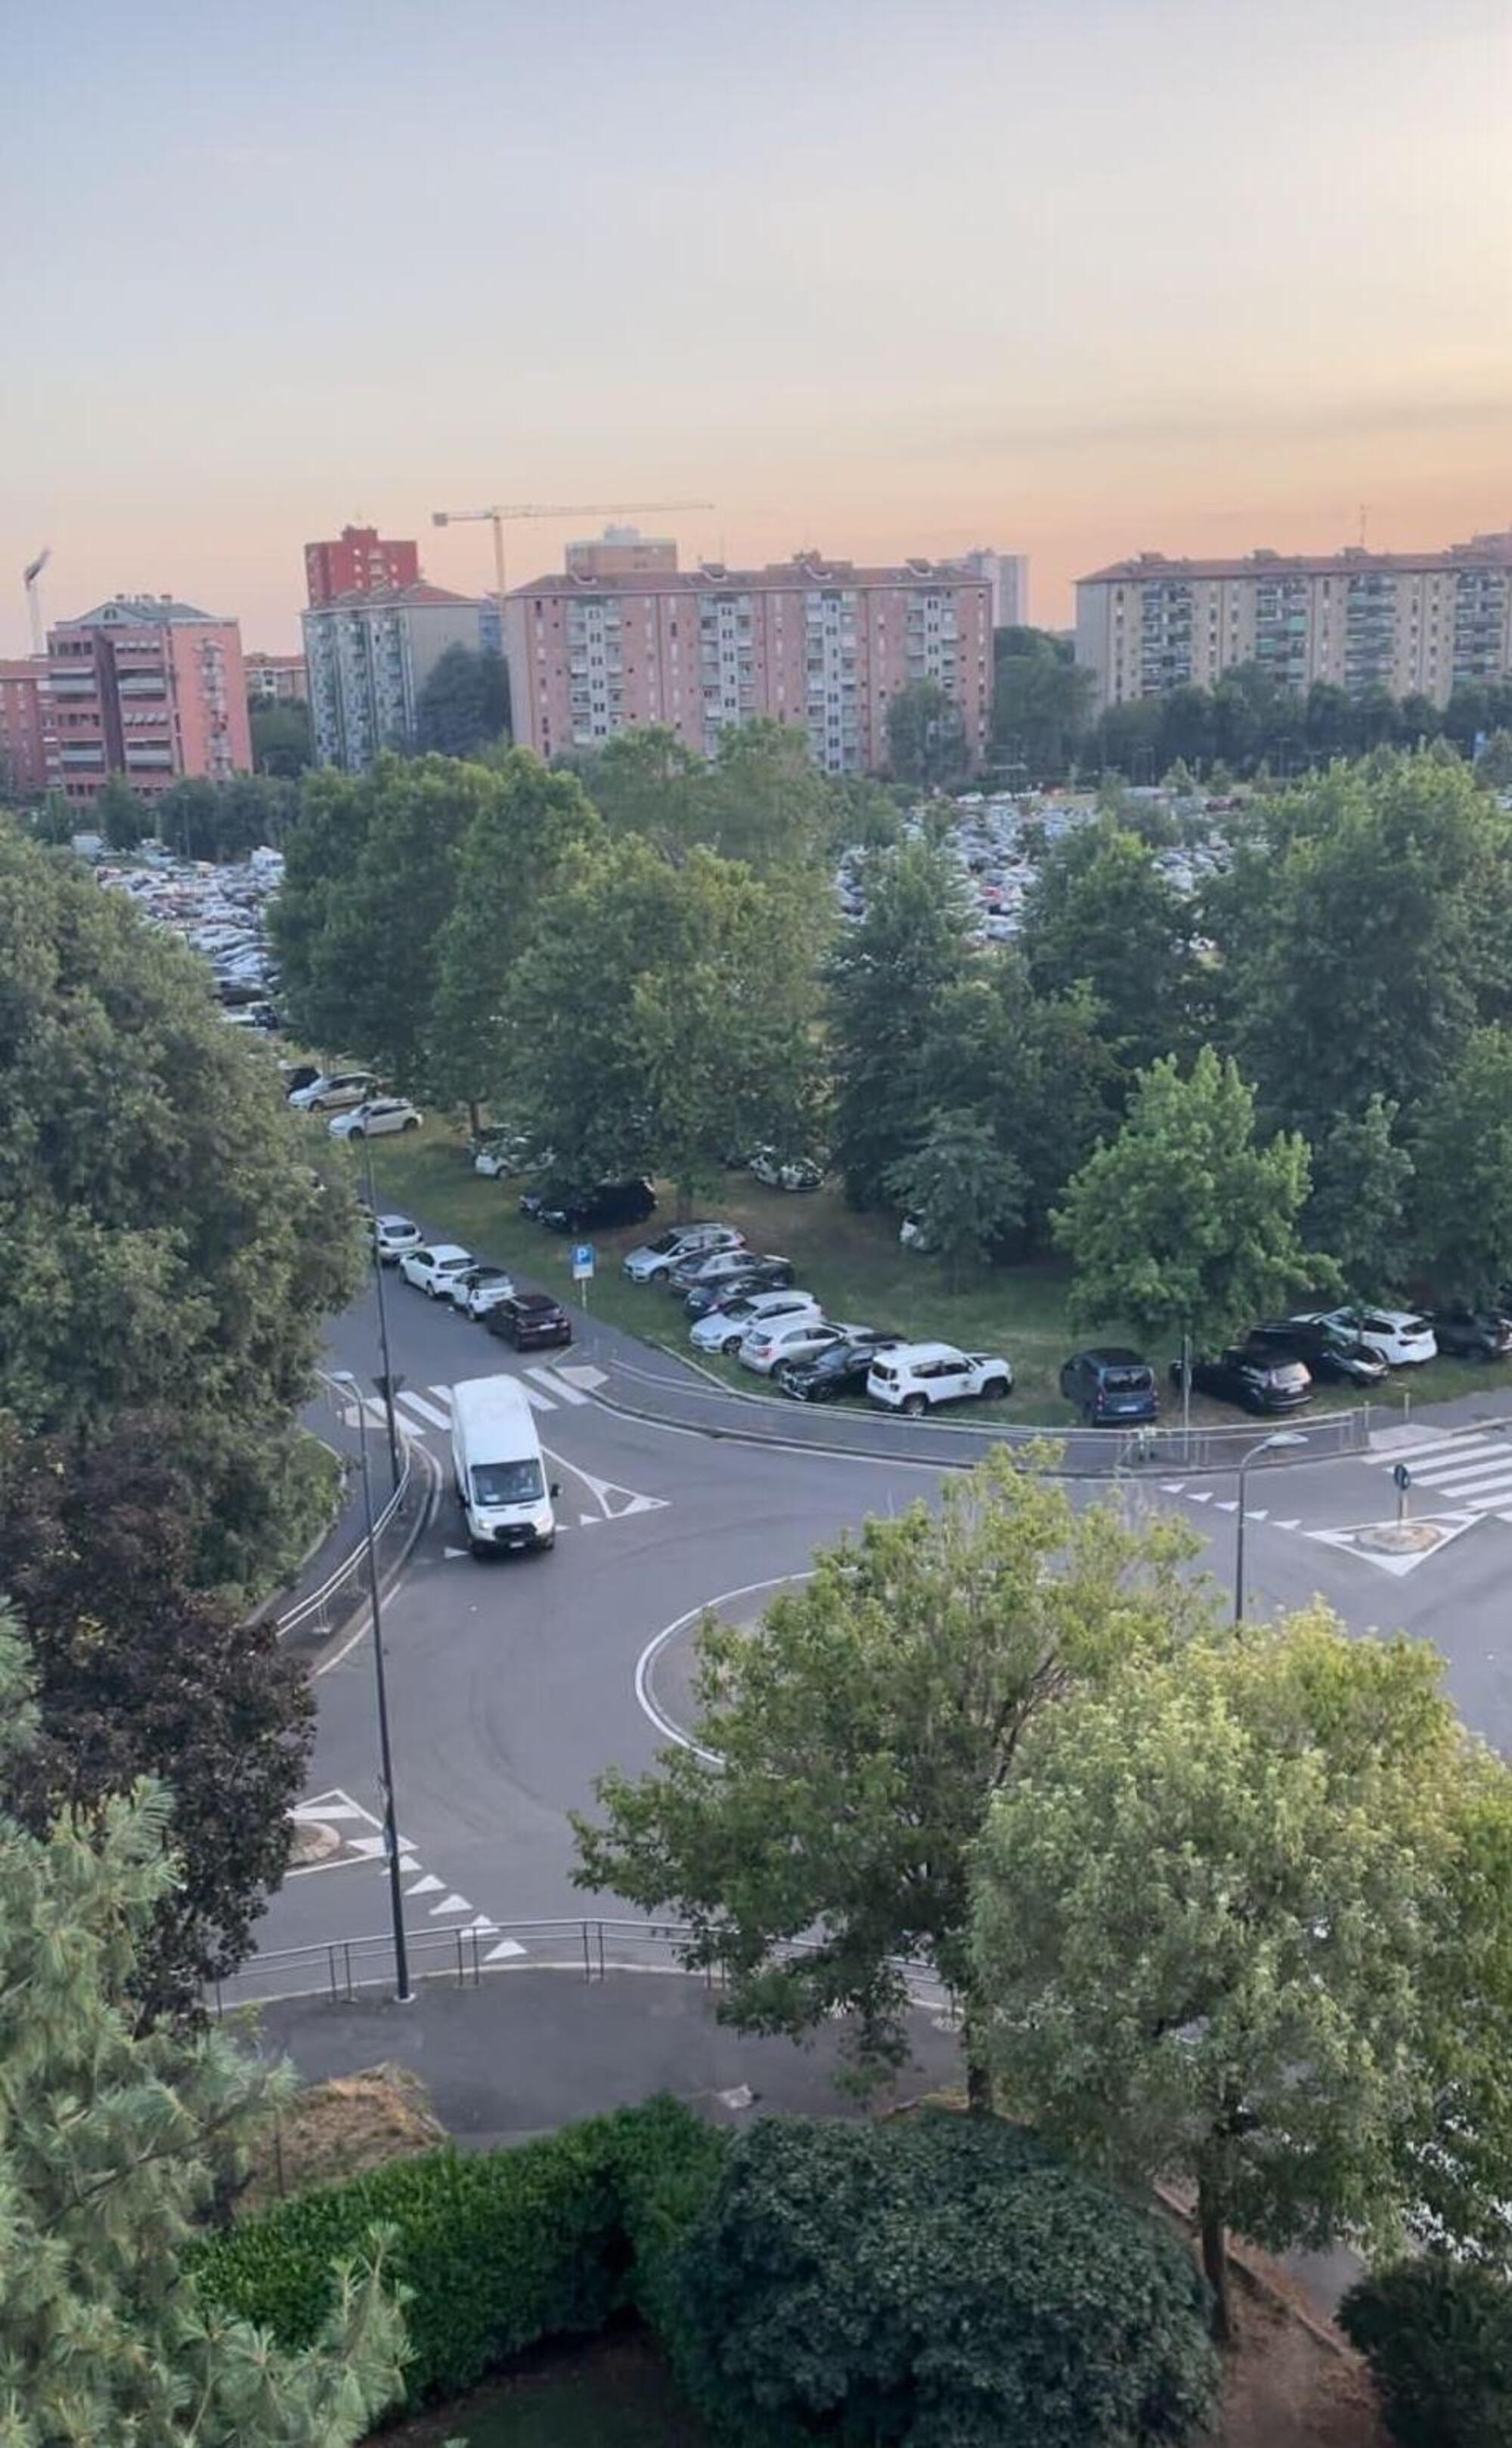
column 339, row 1969
column 346, row 1588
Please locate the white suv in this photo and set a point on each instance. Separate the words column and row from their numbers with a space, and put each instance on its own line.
column 771, row 1340
column 725, row 1329
column 913, row 1377
column 656, row 1259
column 1395, row 1335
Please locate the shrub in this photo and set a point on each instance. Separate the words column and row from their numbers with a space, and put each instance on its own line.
column 1438, row 2337
column 939, row 2280
column 497, row 2250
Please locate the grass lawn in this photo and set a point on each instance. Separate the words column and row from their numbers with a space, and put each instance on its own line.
column 615, row 2388
column 852, row 1264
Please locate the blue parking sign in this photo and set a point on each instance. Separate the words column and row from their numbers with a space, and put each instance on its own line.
column 582, row 1261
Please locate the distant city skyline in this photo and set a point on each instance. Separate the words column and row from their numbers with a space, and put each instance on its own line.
column 1072, row 277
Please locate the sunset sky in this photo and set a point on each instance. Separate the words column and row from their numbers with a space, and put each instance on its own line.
column 1067, row 276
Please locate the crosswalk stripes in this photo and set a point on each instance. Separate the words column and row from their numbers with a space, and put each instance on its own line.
column 422, row 1409
column 1473, row 1472
column 554, row 1385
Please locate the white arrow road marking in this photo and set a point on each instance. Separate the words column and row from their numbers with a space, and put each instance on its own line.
column 1262, row 1515
column 1296, row 1524
column 452, row 1554
column 587, row 1520
column 477, row 1928
column 452, row 1903
column 615, row 1503
column 371, row 1846
column 1228, row 1504
column 502, row 1953
column 1172, row 1486
column 556, row 1386
column 1201, row 1496
column 429, row 1886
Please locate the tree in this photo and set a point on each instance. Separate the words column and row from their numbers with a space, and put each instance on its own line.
column 849, row 1744
column 1463, row 1154
column 886, row 977
column 1101, row 910
column 118, row 813
column 926, row 743
column 463, row 703
column 139, row 1674
column 1358, row 1210
column 936, row 2278
column 1215, row 1912
column 668, row 1012
column 1184, row 1222
column 1363, row 928
column 54, row 821
column 111, row 2145
column 282, row 738
column 1437, row 2334
column 170, row 1245
column 1041, row 700
column 1493, row 767
column 645, row 781
column 966, row 1194
column 507, row 861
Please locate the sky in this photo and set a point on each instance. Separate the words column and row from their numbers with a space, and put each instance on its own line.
column 1071, row 277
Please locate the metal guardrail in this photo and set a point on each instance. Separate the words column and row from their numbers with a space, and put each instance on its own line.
column 343, row 1589
column 338, row 1969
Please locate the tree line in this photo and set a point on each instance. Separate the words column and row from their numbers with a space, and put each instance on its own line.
column 1043, row 727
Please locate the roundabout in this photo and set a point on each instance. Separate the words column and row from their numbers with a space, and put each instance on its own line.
column 664, row 1669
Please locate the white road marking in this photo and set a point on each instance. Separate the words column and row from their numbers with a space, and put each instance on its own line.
column 1446, row 1477
column 429, row 1886
column 409, row 1401
column 1201, row 1496
column 452, row 1903
column 1467, row 1441
column 372, row 1847
column 1172, row 1486
column 654, row 1647
column 500, row 1954
column 582, row 1373
column 1228, row 1504
column 555, row 1385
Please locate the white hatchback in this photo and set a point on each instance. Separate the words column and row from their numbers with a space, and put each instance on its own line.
column 1398, row 1336
column 393, row 1236
column 370, row 1121
column 772, row 1340
column 725, row 1329
column 430, row 1269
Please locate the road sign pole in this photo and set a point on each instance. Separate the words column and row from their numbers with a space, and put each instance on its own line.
column 1404, row 1482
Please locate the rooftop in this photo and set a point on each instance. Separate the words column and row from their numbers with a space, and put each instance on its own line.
column 1483, row 551
column 383, row 598
column 805, row 570
column 137, row 612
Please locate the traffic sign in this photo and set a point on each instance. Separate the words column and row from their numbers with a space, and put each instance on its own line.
column 582, row 1262
column 1403, row 1477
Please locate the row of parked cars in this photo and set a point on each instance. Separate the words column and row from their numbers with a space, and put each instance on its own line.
column 475, row 1287
column 351, row 1103
column 745, row 1303
column 1274, row 1368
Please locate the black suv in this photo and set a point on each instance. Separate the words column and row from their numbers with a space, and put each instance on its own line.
column 530, row 1321
column 1329, row 1353
column 1110, row 1388
column 588, row 1210
column 1472, row 1334
column 840, row 1368
column 1256, row 1377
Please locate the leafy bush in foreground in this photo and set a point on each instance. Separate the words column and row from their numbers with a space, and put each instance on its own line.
column 1436, row 2335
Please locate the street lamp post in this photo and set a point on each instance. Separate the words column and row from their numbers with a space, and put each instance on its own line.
column 1266, row 1445
column 385, row 1383
column 390, row 1832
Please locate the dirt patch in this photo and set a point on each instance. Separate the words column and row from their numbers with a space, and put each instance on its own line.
column 341, row 2128
column 1286, row 2388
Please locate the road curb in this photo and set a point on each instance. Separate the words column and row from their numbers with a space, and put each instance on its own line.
column 425, row 1513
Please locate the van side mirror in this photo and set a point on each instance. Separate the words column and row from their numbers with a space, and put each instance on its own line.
column 554, row 1490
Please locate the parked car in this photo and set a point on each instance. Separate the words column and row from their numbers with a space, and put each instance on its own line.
column 478, row 1289
column 786, row 1173
column 769, row 1340
column 724, row 1266
column 655, row 1260
column 725, row 1328
column 599, row 1208
column 916, row 1377
column 911, row 1235
column 297, row 1074
column 753, row 1274
column 530, row 1320
column 1110, row 1387
column 370, row 1121
column 332, row 1091
column 430, row 1267
column 1252, row 1376
column 1398, row 1336
column 1472, row 1334
column 1330, row 1354
column 393, row 1236
column 840, row 1368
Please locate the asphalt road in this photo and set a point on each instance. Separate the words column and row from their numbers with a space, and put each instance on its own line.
column 514, row 1682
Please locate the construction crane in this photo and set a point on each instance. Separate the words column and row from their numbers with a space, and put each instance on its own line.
column 29, row 579
column 503, row 512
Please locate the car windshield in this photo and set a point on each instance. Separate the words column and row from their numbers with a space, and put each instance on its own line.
column 507, row 1483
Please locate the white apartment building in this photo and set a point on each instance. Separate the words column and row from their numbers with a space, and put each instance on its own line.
column 368, row 657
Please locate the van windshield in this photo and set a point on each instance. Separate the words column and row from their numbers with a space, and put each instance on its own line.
column 1127, row 1381
column 507, row 1483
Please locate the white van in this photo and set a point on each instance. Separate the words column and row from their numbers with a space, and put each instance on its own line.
column 497, row 1465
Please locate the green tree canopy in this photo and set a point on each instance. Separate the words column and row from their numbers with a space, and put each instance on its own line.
column 282, row 738
column 118, row 813
column 966, row 1192
column 463, row 703
column 1184, row 1222
column 1042, row 699
column 927, row 742
column 886, row 977
column 937, row 2279
column 1358, row 1210
column 169, row 1246
column 849, row 1745
column 111, row 2144
column 1463, row 1154
column 1219, row 1925
column 1100, row 911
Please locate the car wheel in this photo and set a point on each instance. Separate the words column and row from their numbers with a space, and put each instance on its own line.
column 995, row 1390
column 730, row 1344
column 915, row 1406
column 412, row 1122
column 356, row 1133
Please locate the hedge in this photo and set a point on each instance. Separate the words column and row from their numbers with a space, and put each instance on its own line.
column 1436, row 2335
column 495, row 2249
